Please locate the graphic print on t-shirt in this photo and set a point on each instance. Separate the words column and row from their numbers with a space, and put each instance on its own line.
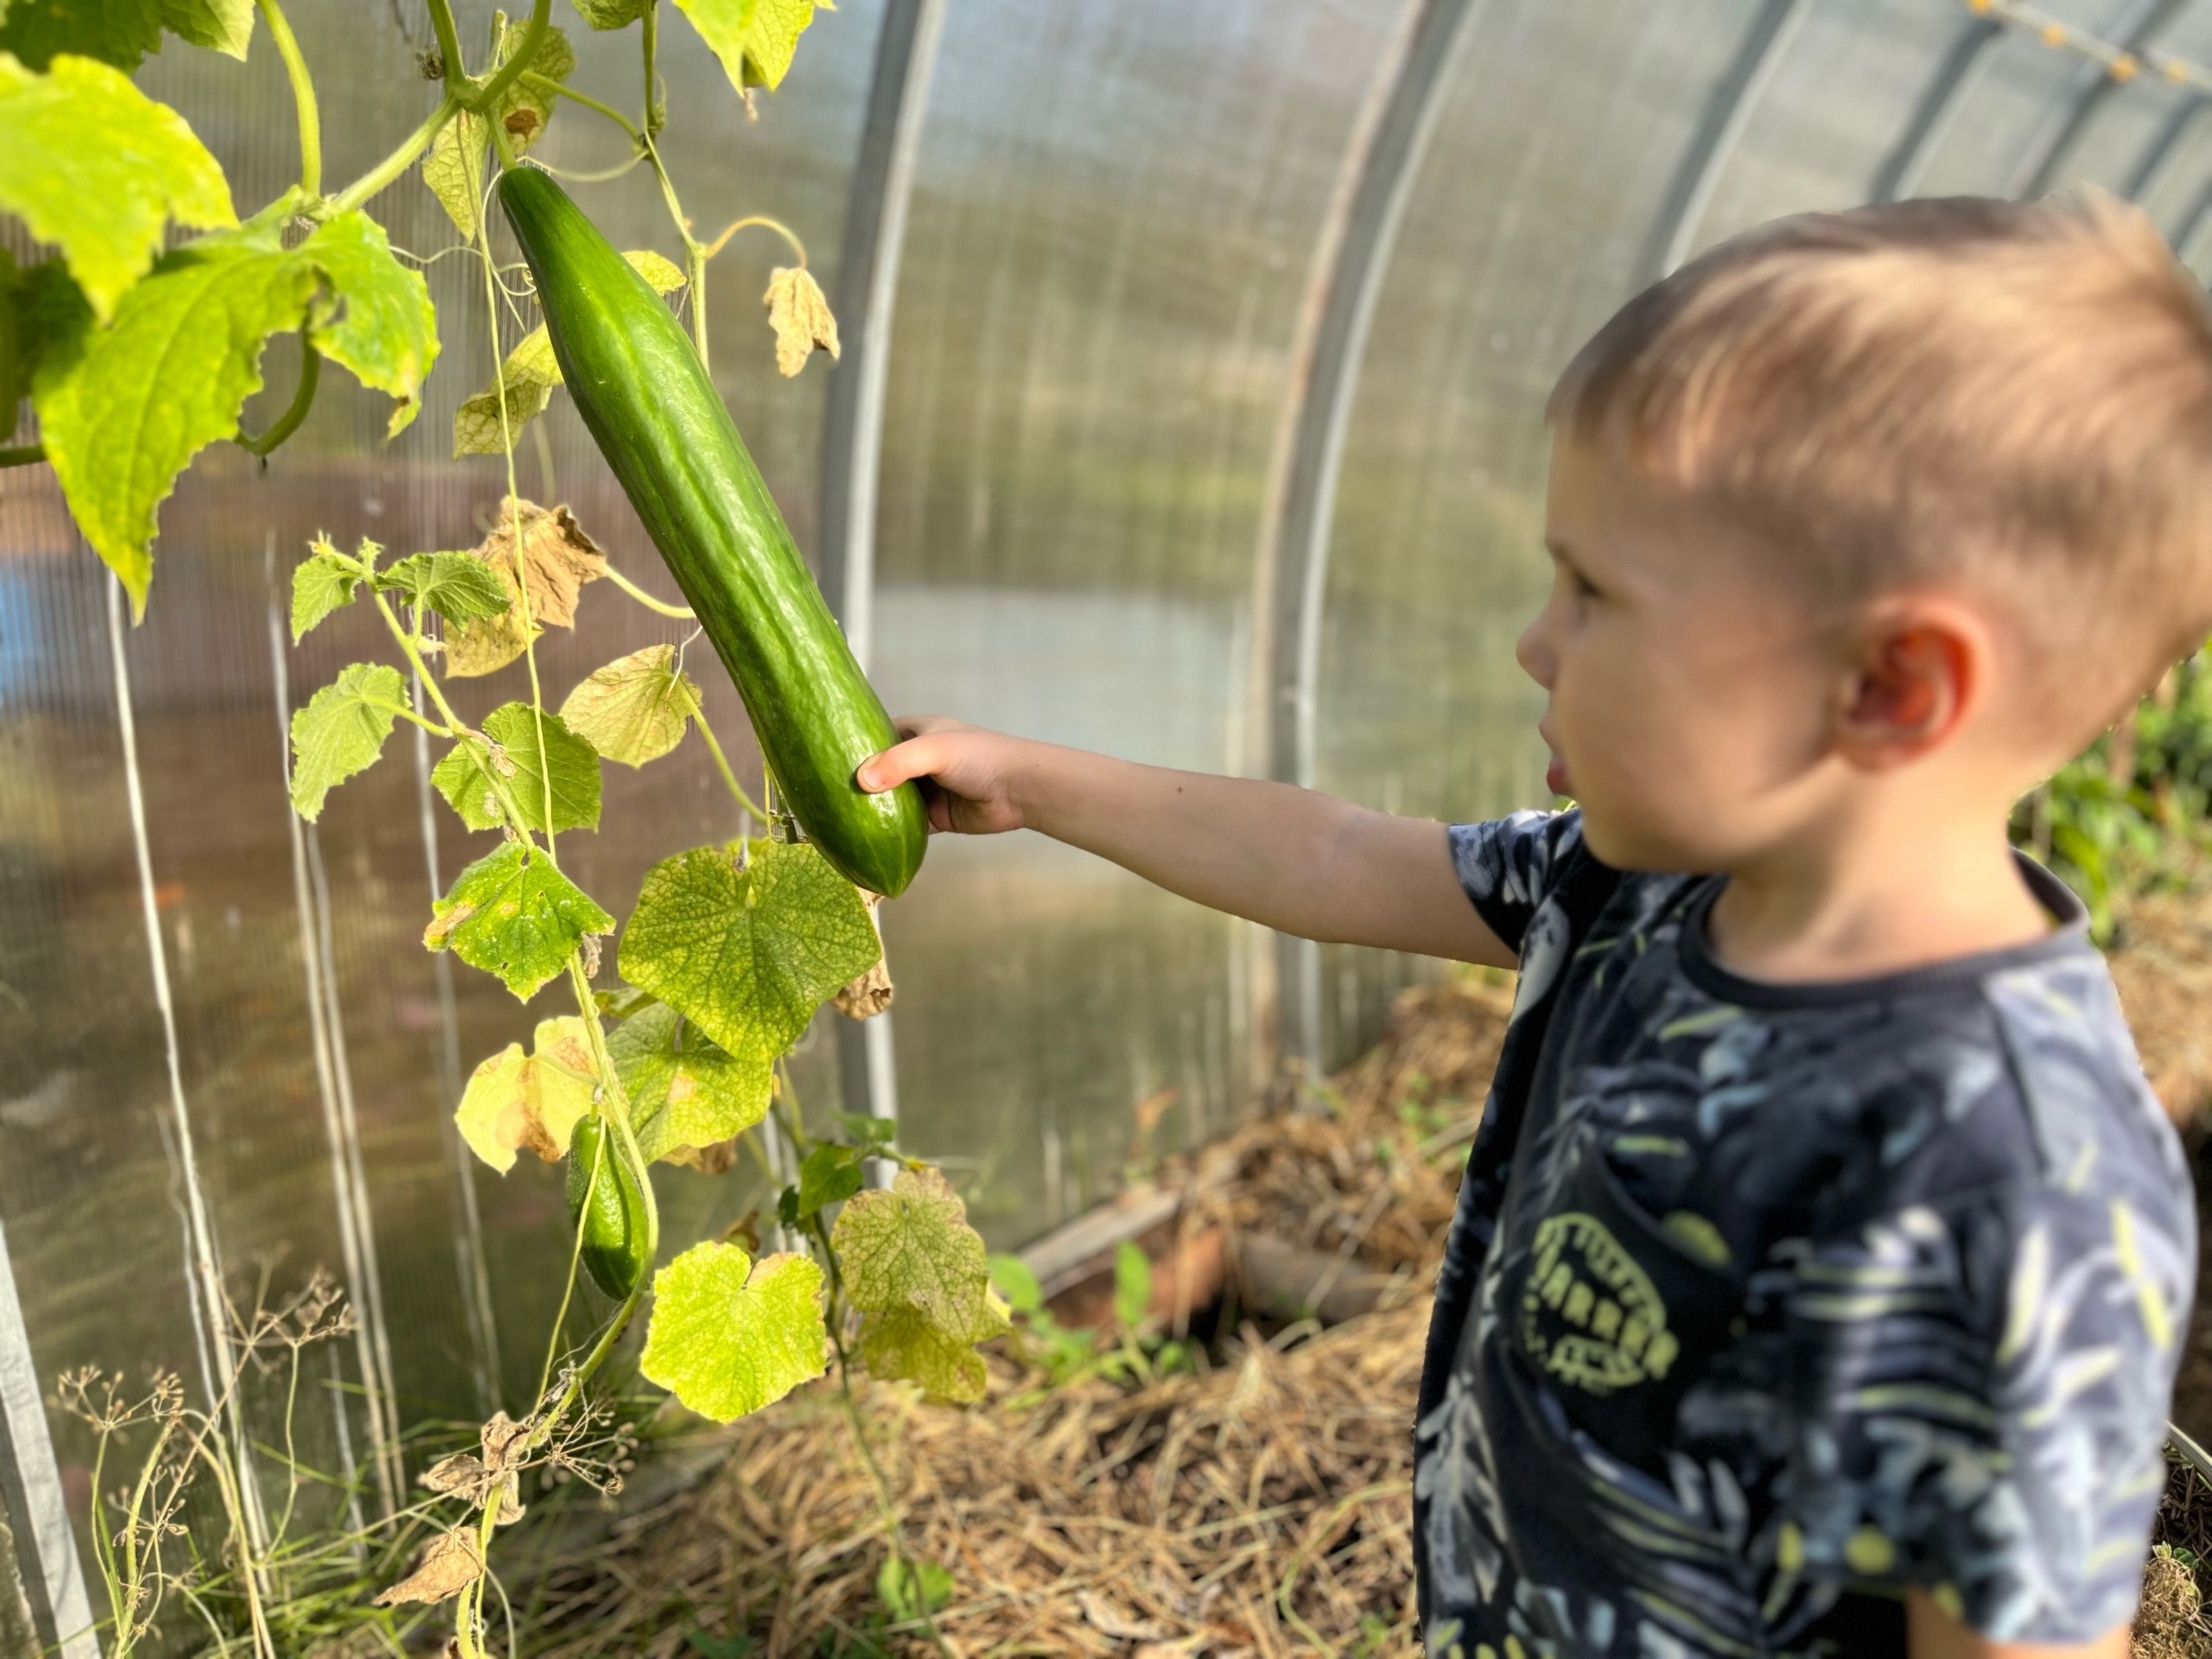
column 1763, row 1303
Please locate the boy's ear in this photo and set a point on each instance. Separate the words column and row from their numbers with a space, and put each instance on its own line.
column 1921, row 667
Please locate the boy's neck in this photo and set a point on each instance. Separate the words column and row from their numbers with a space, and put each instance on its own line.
column 1858, row 903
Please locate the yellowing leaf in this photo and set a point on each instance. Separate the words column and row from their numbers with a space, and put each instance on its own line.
column 799, row 313
column 635, row 709
column 525, row 109
column 746, row 954
column 452, row 1562
column 454, row 171
column 867, row 995
column 572, row 785
column 754, row 39
column 611, row 14
column 902, row 1345
column 94, row 165
column 341, row 731
column 910, row 1246
column 663, row 275
column 728, row 1335
column 686, row 1091
column 513, row 915
column 529, row 1103
column 377, row 322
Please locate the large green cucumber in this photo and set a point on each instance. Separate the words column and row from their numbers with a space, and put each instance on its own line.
column 652, row 410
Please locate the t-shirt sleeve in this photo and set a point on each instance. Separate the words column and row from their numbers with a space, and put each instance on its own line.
column 1509, row 864
column 1980, row 1408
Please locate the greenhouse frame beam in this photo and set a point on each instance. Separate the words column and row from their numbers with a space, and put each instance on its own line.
column 1727, row 113
column 2164, row 143
column 851, row 441
column 1352, row 255
column 1961, row 70
column 2062, row 128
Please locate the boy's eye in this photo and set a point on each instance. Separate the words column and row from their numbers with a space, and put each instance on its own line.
column 1584, row 587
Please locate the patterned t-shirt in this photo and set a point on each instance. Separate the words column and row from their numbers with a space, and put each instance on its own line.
column 1763, row 1301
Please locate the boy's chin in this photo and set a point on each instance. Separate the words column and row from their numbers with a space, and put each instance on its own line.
column 1631, row 846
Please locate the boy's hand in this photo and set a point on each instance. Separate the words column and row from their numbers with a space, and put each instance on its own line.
column 964, row 773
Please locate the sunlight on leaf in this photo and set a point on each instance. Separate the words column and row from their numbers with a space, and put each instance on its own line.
column 452, row 1562
column 95, row 167
column 636, row 709
column 611, row 14
column 341, row 731
column 747, row 954
column 513, row 915
column 514, row 728
column 320, row 583
column 459, row 587
column 919, row 1272
column 454, row 171
column 728, row 1335
column 518, row 1102
column 378, row 322
column 754, row 39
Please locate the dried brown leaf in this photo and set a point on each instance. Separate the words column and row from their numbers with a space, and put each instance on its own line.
column 449, row 1566
column 799, row 313
column 867, row 995
column 558, row 559
column 1109, row 1620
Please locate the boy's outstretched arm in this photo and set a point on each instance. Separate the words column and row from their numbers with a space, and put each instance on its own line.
column 1295, row 859
column 1931, row 1633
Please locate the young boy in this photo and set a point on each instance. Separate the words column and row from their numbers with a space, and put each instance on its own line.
column 1821, row 1268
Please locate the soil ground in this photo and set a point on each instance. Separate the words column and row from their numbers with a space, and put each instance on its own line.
column 1261, row 1503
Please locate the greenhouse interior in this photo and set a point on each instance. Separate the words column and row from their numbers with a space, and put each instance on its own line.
column 1186, row 404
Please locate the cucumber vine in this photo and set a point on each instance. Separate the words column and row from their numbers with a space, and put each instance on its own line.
column 731, row 949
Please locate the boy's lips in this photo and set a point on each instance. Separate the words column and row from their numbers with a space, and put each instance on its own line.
column 1555, row 776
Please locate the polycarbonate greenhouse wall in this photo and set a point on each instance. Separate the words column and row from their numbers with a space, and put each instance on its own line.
column 1191, row 409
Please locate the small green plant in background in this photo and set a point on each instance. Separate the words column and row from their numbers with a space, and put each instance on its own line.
column 2132, row 813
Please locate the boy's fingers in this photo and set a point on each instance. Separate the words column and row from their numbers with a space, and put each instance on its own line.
column 918, row 757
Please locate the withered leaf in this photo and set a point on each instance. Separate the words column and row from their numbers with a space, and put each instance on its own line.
column 799, row 313
column 558, row 559
column 867, row 995
column 449, row 1566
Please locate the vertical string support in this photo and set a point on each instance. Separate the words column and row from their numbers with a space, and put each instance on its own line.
column 203, row 1276
column 852, row 443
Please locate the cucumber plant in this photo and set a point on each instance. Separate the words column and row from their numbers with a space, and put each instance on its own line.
column 135, row 360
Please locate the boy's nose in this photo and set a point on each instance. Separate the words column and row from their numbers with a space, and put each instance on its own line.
column 1534, row 654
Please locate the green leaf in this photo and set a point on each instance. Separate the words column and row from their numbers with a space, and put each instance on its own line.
column 529, row 373
column 611, row 14
column 871, row 1132
column 728, row 1335
column 513, row 915
column 454, row 169
column 747, row 954
column 517, row 1102
column 1012, row 1278
column 120, row 32
column 124, row 409
column 459, row 587
column 907, row 1589
column 321, row 583
column 635, row 709
column 459, row 778
column 685, row 1090
column 97, row 166
column 341, row 731
column 1132, row 1284
column 754, row 39
column 827, row 1175
column 524, row 109
column 377, row 321
column 514, row 729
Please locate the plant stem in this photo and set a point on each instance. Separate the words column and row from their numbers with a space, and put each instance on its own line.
column 547, row 84
column 681, row 612
column 651, row 32
column 448, row 43
column 296, row 69
column 721, row 761
column 760, row 221
column 485, row 94
column 302, row 400
column 22, row 454
column 357, row 193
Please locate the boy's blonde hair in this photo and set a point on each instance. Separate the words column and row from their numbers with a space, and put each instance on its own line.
column 2014, row 394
